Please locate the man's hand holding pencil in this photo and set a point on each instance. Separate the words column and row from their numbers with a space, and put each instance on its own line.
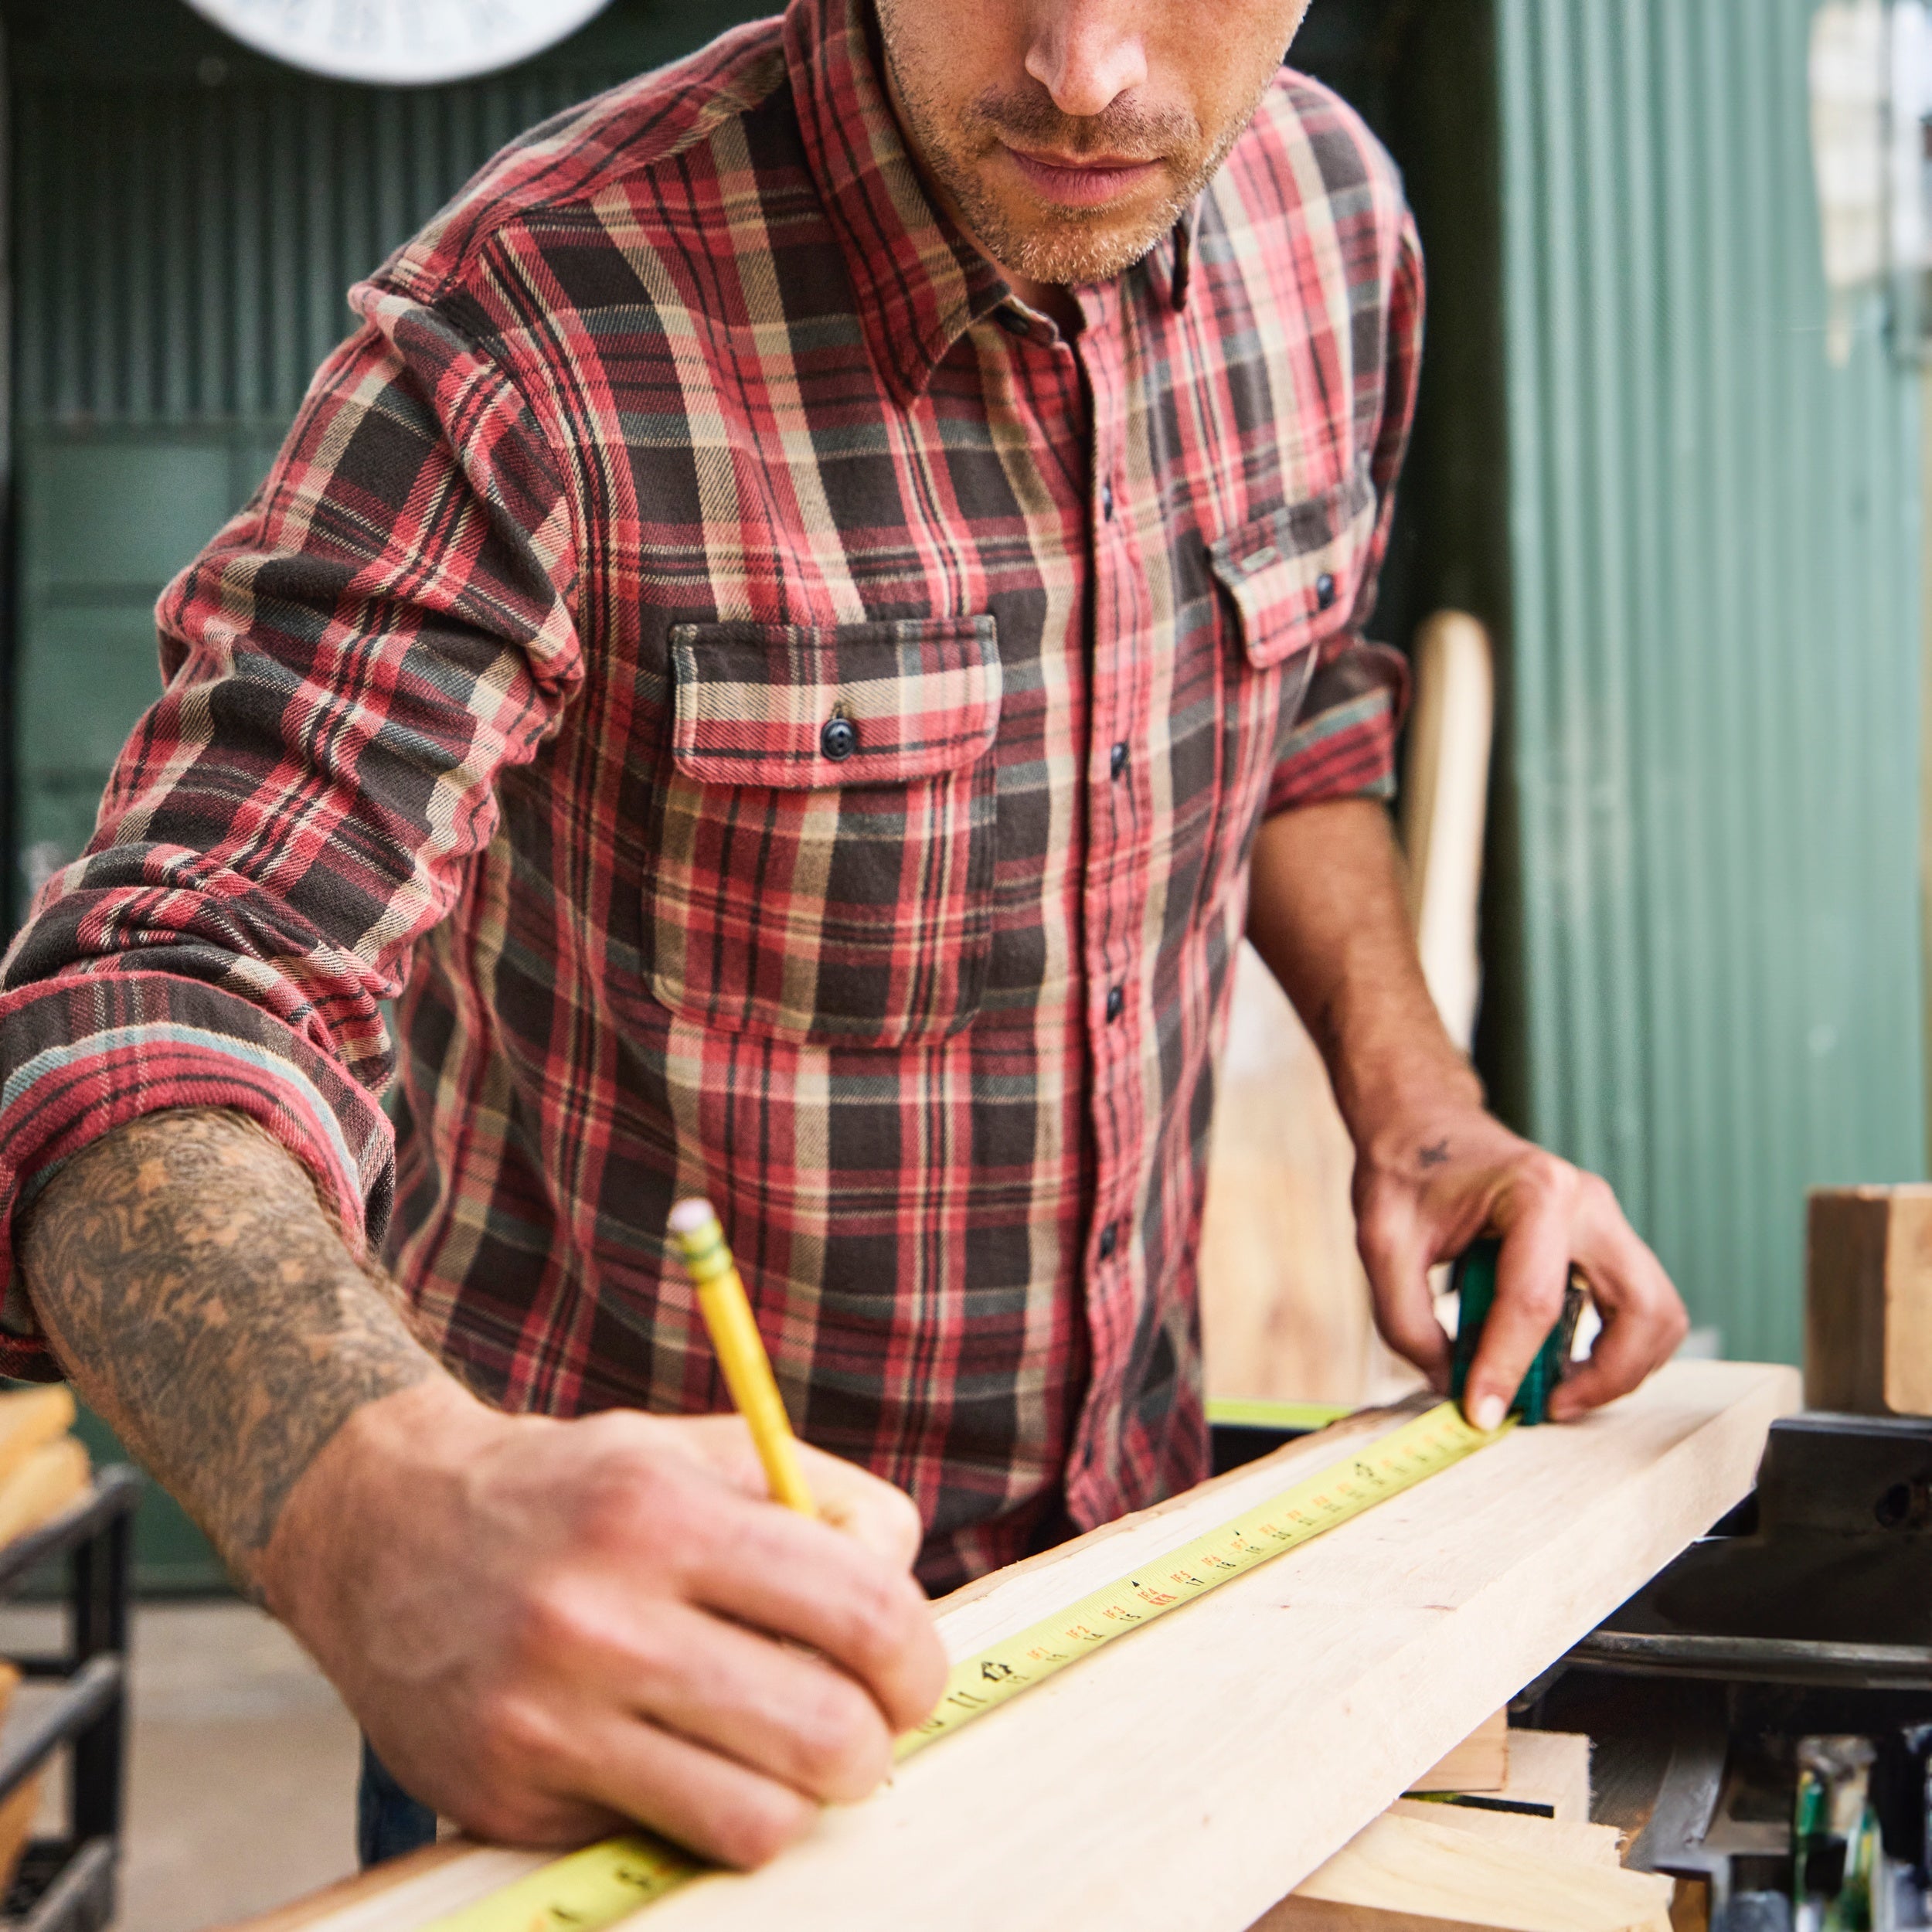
column 561, row 1628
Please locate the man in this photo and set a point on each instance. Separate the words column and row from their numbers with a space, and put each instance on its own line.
column 825, row 594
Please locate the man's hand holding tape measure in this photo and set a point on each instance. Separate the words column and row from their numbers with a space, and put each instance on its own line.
column 1434, row 1170
column 1466, row 1175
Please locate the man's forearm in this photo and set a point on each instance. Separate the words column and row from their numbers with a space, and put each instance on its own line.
column 206, row 1305
column 1326, row 912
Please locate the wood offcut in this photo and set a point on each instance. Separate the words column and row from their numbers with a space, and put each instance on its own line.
column 1868, row 1300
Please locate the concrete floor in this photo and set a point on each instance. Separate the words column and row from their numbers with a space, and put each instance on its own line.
column 242, row 1776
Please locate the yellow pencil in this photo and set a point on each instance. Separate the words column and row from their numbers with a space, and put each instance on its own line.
column 747, row 1369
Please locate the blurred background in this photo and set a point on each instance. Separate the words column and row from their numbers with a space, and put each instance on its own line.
column 1670, row 458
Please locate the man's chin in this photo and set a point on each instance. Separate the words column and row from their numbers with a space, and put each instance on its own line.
column 1066, row 256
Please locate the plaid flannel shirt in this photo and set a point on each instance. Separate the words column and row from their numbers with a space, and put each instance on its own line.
column 787, row 723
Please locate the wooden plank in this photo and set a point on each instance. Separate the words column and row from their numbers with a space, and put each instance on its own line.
column 449, row 1875
column 1584, row 1844
column 1480, row 1763
column 1198, row 1771
column 1868, row 1300
column 1407, row 1874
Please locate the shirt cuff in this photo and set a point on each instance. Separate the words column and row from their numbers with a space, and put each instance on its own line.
column 83, row 1055
column 1344, row 744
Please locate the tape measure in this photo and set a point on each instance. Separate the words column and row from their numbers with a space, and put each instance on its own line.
column 596, row 1888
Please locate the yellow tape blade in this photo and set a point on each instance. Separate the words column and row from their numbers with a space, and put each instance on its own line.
column 1379, row 1470
column 586, row 1892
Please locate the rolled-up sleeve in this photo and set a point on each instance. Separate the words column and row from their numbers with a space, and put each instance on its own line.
column 1343, row 745
column 347, row 668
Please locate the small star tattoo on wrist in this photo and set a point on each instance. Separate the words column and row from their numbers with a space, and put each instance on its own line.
column 1436, row 1156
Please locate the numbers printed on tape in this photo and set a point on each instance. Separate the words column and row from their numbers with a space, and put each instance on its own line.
column 595, row 1888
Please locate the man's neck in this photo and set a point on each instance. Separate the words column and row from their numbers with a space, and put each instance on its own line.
column 1049, row 298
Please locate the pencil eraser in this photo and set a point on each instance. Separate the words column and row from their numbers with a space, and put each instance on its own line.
column 692, row 1217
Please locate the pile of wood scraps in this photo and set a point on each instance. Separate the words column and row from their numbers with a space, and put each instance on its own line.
column 1250, row 1745
column 1510, row 1846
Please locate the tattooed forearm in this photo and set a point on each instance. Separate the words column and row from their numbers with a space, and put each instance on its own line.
column 193, row 1286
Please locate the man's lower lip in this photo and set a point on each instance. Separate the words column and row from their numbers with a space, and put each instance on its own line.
column 1081, row 187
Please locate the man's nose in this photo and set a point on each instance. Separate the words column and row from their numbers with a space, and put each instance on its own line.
column 1088, row 53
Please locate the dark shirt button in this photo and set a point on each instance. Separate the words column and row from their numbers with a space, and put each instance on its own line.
column 1325, row 591
column 1012, row 321
column 1116, row 1005
column 839, row 740
column 1117, row 764
column 1106, row 502
column 1110, row 1239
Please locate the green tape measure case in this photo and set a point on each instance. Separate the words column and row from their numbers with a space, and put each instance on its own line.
column 1473, row 1279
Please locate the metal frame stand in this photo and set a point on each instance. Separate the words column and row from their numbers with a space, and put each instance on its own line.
column 68, row 1884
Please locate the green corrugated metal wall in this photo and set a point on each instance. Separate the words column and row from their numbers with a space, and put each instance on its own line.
column 1713, row 749
column 186, row 218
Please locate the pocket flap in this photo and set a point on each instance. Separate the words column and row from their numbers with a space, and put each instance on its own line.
column 754, row 702
column 1295, row 573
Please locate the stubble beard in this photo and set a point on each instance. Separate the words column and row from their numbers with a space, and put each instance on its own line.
column 1062, row 247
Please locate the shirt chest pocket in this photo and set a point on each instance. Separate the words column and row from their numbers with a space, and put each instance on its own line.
column 1295, row 575
column 822, row 868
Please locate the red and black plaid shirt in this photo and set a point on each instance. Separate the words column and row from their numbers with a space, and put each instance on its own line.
column 788, row 723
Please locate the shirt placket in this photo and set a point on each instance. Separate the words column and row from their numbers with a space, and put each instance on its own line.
column 1118, row 795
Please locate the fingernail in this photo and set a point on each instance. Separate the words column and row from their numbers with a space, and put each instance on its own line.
column 1489, row 1413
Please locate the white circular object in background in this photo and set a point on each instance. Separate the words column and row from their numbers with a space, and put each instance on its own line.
column 401, row 42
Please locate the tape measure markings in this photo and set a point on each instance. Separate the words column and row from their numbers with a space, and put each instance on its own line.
column 597, row 1887
column 592, row 1889
column 996, row 1674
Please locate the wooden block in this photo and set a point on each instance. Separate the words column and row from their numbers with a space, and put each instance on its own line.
column 1200, row 1770
column 1868, row 1300
column 30, row 1420
column 1585, row 1844
column 1480, row 1763
column 1551, row 1768
column 1406, row 1874
column 42, row 1486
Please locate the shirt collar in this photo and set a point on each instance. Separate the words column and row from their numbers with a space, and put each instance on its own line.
column 921, row 284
